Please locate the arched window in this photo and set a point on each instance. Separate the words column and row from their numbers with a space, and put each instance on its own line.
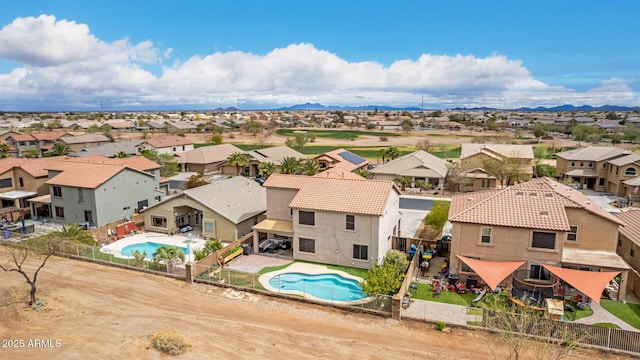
column 630, row 171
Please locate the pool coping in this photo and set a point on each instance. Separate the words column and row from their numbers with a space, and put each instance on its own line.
column 309, row 269
column 115, row 248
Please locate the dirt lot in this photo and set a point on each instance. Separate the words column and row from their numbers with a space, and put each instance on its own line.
column 102, row 312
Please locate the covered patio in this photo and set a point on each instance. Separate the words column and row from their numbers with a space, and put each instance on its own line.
column 40, row 207
column 273, row 237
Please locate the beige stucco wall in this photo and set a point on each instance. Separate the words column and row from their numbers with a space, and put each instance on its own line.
column 617, row 175
column 278, row 201
column 594, row 232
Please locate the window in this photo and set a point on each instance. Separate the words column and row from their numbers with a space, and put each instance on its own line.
column 57, row 191
column 590, row 164
column 142, row 204
column 21, row 181
column 159, row 221
column 351, row 222
column 601, row 182
column 485, row 237
column 306, row 218
column 88, row 216
column 573, row 164
column 617, row 169
column 573, row 233
column 80, row 195
column 543, row 240
column 59, row 212
column 538, row 272
column 630, row 171
column 619, row 240
column 5, row 183
column 307, row 245
column 633, row 250
column 485, row 183
column 360, row 252
column 208, row 227
column 174, row 149
column 581, row 164
column 610, row 168
column 604, row 165
column 395, row 229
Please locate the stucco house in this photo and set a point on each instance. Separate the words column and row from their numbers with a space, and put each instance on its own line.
column 340, row 158
column 621, row 175
column 329, row 220
column 171, row 144
column 101, row 190
column 21, row 180
column 419, row 165
column 84, row 141
column 206, row 159
column 588, row 166
column 474, row 156
column 273, row 154
column 629, row 246
column 541, row 222
column 34, row 144
column 225, row 210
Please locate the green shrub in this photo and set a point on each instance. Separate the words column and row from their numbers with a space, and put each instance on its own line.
column 440, row 326
column 170, row 342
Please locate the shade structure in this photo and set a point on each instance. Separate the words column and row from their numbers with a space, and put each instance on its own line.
column 590, row 283
column 492, row 272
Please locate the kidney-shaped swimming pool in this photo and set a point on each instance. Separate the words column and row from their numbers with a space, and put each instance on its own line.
column 330, row 287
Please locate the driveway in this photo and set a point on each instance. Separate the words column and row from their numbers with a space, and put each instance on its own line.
column 414, row 209
column 604, row 200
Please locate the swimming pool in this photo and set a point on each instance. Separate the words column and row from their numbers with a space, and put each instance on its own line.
column 149, row 247
column 331, row 287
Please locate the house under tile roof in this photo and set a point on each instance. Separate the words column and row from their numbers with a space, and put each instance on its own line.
column 593, row 153
column 339, row 173
column 343, row 158
column 419, row 164
column 110, row 149
column 625, row 160
column 368, row 197
column 274, row 154
column 136, row 162
column 89, row 176
column 47, row 135
column 84, row 138
column 35, row 167
column 631, row 228
column 540, row 204
column 497, row 150
column 167, row 141
column 208, row 154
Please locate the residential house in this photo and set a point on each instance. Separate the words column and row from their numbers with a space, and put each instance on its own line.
column 21, row 180
column 588, row 166
column 180, row 126
column 225, row 210
column 35, row 144
column 84, row 141
column 256, row 157
column 101, row 190
column 629, row 246
column 170, row 144
column 624, row 168
column 419, row 165
column 344, row 222
column 473, row 159
column 111, row 149
column 540, row 221
column 340, row 158
column 206, row 159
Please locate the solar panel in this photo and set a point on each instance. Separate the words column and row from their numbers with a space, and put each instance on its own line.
column 351, row 157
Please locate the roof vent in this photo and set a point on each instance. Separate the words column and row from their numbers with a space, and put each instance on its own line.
column 469, row 199
column 533, row 193
column 549, row 195
column 544, row 213
column 519, row 193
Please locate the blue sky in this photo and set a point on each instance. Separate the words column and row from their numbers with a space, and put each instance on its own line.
column 77, row 55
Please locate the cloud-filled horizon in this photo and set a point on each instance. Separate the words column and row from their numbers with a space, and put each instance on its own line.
column 61, row 64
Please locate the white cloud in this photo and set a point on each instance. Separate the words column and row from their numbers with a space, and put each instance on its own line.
column 63, row 63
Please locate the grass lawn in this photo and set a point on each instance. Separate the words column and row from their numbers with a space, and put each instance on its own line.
column 362, row 273
column 607, row 325
column 448, row 152
column 577, row 313
column 629, row 313
column 425, row 292
column 336, row 134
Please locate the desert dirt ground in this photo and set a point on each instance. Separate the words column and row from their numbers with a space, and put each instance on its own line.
column 102, row 312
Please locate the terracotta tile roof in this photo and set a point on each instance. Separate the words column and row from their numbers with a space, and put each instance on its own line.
column 88, row 174
column 367, row 197
column 593, row 153
column 536, row 204
column 339, row 173
column 135, row 162
column 418, row 163
column 504, row 150
column 84, row 138
column 168, row 141
column 631, row 228
column 47, row 135
column 22, row 137
column 208, row 154
column 626, row 160
column 35, row 167
column 343, row 158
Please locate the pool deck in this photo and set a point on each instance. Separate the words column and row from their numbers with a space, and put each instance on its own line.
column 115, row 248
column 310, row 269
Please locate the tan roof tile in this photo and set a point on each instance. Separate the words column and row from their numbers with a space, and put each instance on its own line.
column 631, row 228
column 336, row 195
column 167, row 141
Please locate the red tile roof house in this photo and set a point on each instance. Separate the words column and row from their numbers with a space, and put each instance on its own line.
column 344, row 222
column 541, row 222
column 167, row 144
column 102, row 190
column 340, row 158
column 34, row 144
column 629, row 246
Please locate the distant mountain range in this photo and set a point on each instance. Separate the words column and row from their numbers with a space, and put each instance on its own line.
column 566, row 107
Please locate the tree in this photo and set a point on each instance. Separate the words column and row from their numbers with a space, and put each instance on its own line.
column 267, row 168
column 438, row 215
column 196, row 181
column 122, row 155
column 631, row 134
column 297, row 142
column 545, row 170
column 423, row 185
column 424, row 145
column 612, row 116
column 396, row 259
column 59, row 149
column 254, row 127
column 139, row 257
column 168, row 165
column 382, row 153
column 74, row 233
column 4, row 150
column 308, row 167
column 583, row 132
column 386, row 278
column 238, row 159
column 406, row 125
column 289, row 164
column 168, row 254
column 362, row 172
column 506, row 171
column 539, row 131
column 209, row 248
column 403, row 181
column 393, row 153
column 215, row 139
column 540, row 153
column 16, row 263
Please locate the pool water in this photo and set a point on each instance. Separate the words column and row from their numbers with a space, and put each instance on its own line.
column 149, row 247
column 332, row 287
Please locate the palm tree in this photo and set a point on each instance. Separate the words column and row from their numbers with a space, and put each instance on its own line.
column 382, row 153
column 59, row 149
column 403, row 181
column 267, row 168
column 169, row 254
column 289, row 164
column 362, row 172
column 423, row 185
column 392, row 153
column 238, row 159
column 308, row 167
column 122, row 155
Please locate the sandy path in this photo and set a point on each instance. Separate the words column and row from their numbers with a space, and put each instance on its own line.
column 106, row 313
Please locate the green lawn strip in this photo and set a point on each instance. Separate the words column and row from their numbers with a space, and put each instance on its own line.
column 335, row 134
column 362, row 273
column 629, row 313
column 577, row 313
column 474, row 311
column 269, row 269
column 425, row 292
column 607, row 325
column 453, row 152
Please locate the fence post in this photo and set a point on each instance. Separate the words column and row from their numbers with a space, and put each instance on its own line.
column 77, row 249
column 609, row 338
column 93, row 252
